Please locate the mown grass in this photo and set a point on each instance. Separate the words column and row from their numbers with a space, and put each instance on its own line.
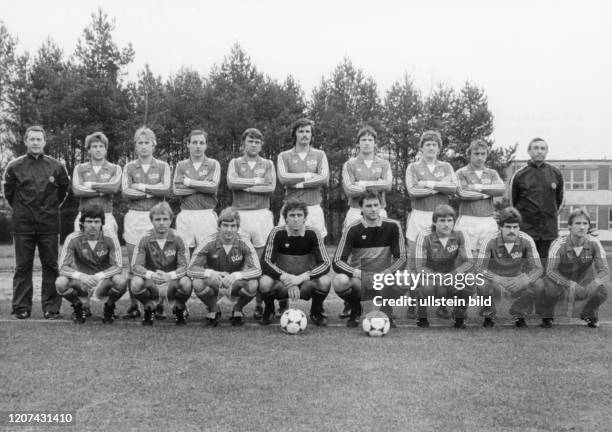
column 128, row 377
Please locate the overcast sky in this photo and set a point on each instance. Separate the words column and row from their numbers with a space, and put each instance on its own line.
column 546, row 66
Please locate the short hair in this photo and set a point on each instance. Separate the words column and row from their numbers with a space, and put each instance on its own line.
column 371, row 194
column 475, row 145
column 293, row 204
column 430, row 135
column 96, row 137
column 159, row 208
column 535, row 140
column 577, row 213
column 298, row 124
column 367, row 130
column 228, row 214
column 197, row 132
column 443, row 210
column 35, row 128
column 508, row 215
column 92, row 211
column 146, row 132
column 252, row 133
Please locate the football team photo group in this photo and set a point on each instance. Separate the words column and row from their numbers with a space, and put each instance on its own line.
column 325, row 216
column 239, row 253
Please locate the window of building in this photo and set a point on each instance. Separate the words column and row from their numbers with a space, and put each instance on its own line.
column 580, row 178
column 591, row 209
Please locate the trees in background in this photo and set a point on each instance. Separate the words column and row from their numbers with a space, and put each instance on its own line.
column 74, row 95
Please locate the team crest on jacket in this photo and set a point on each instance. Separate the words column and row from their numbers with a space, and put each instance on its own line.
column 154, row 176
column 438, row 174
column 452, row 248
column 105, row 176
column 286, row 245
column 311, row 163
column 260, row 172
column 236, row 258
column 101, row 252
column 516, row 255
column 170, row 253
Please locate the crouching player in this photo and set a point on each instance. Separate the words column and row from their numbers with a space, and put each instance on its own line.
column 576, row 266
column 295, row 264
column 368, row 246
column 160, row 260
column 90, row 263
column 441, row 251
column 225, row 264
column 511, row 266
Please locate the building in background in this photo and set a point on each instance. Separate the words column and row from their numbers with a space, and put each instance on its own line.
column 588, row 184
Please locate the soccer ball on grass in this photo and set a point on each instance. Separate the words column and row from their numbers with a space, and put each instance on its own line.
column 293, row 321
column 376, row 324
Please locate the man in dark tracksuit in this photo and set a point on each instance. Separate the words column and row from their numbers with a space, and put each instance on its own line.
column 35, row 185
column 536, row 191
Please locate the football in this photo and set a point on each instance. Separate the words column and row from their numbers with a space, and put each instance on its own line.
column 293, row 321
column 376, row 324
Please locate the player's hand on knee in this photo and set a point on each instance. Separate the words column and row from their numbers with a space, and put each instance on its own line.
column 216, row 277
column 89, row 281
column 158, row 277
column 294, row 293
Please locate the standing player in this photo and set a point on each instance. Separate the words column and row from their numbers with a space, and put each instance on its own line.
column 252, row 180
column 96, row 181
column 510, row 264
column 536, row 191
column 370, row 245
column 295, row 264
column 35, row 185
column 90, row 264
column 225, row 264
column 577, row 266
column 196, row 181
column 442, row 250
column 477, row 185
column 304, row 172
column 145, row 183
column 429, row 183
column 160, row 260
column 365, row 172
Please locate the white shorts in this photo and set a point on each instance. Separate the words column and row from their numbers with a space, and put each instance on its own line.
column 418, row 221
column 315, row 219
column 110, row 224
column 476, row 228
column 255, row 226
column 136, row 223
column 195, row 226
column 355, row 213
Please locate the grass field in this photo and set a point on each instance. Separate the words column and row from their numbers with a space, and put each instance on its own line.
column 169, row 378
